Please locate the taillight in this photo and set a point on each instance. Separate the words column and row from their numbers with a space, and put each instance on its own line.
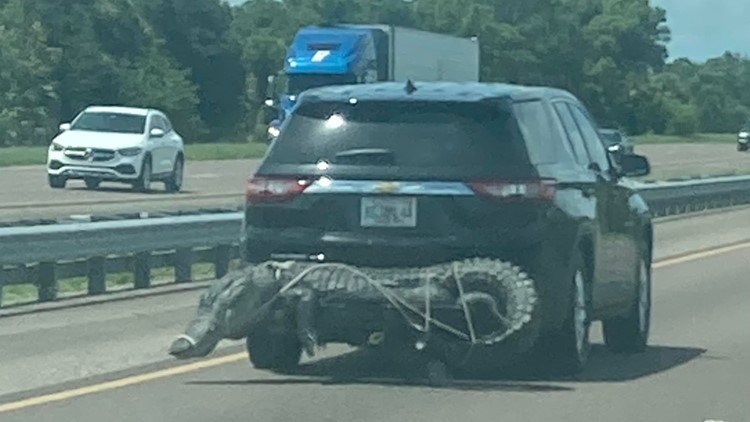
column 274, row 189
column 543, row 189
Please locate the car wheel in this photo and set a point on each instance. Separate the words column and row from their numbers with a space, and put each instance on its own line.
column 92, row 183
column 629, row 334
column 741, row 147
column 273, row 351
column 566, row 351
column 57, row 182
column 174, row 182
column 143, row 184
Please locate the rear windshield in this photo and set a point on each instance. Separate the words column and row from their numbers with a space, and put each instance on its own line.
column 427, row 135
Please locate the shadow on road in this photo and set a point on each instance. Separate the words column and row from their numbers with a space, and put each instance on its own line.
column 367, row 367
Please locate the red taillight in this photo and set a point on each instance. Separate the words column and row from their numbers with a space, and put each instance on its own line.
column 543, row 189
column 274, row 189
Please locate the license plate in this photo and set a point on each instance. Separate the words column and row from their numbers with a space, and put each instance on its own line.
column 388, row 212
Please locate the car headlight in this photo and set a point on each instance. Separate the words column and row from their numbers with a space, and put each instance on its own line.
column 130, row 152
column 273, row 131
column 56, row 147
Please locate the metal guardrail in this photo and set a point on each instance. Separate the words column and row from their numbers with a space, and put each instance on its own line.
column 41, row 255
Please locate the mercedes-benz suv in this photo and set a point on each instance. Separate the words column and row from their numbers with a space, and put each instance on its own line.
column 117, row 144
column 394, row 175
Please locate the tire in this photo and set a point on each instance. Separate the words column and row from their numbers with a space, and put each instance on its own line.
column 741, row 147
column 629, row 334
column 566, row 351
column 57, row 182
column 143, row 184
column 174, row 183
column 273, row 351
column 92, row 183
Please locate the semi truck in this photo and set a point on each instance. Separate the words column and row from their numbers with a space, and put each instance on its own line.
column 363, row 53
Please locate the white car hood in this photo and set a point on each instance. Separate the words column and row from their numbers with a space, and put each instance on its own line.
column 86, row 139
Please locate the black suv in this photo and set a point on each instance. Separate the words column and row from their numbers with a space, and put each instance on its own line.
column 393, row 175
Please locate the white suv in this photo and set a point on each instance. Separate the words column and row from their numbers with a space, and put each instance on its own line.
column 118, row 144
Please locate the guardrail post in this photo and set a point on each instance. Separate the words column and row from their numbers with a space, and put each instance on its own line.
column 142, row 271
column 223, row 254
column 97, row 275
column 47, row 282
column 183, row 265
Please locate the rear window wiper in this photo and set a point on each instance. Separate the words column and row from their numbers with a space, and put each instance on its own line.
column 366, row 156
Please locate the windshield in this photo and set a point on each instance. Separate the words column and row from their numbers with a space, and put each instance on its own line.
column 423, row 135
column 298, row 82
column 110, row 122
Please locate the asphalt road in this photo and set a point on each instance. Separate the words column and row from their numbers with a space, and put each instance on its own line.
column 220, row 184
column 106, row 362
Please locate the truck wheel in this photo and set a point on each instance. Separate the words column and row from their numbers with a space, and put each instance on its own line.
column 143, row 184
column 57, row 182
column 567, row 350
column 92, row 183
column 174, row 182
column 629, row 334
column 273, row 351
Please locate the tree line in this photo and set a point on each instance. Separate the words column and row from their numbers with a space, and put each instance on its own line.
column 205, row 63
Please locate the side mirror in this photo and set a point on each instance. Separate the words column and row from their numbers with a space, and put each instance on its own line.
column 634, row 165
column 156, row 132
column 64, row 126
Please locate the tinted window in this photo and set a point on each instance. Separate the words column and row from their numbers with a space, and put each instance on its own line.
column 574, row 135
column 110, row 122
column 536, row 128
column 157, row 122
column 167, row 124
column 610, row 137
column 590, row 136
column 425, row 135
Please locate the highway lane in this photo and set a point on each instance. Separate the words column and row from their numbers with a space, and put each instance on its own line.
column 695, row 369
column 25, row 193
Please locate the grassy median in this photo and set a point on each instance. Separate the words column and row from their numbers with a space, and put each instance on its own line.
column 77, row 286
column 20, row 156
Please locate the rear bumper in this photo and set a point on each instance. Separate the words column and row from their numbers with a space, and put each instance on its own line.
column 376, row 251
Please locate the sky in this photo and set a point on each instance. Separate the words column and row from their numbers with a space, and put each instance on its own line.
column 701, row 29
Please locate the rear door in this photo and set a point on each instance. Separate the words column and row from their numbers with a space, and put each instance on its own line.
column 399, row 173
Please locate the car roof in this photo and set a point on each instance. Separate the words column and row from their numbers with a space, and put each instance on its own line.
column 431, row 91
column 136, row 111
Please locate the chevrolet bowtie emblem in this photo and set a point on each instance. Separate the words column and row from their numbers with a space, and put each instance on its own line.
column 386, row 187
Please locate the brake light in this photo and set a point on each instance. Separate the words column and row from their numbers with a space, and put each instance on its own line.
column 274, row 189
column 543, row 189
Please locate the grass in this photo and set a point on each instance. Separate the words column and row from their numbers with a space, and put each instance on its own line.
column 701, row 138
column 23, row 156
column 77, row 286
